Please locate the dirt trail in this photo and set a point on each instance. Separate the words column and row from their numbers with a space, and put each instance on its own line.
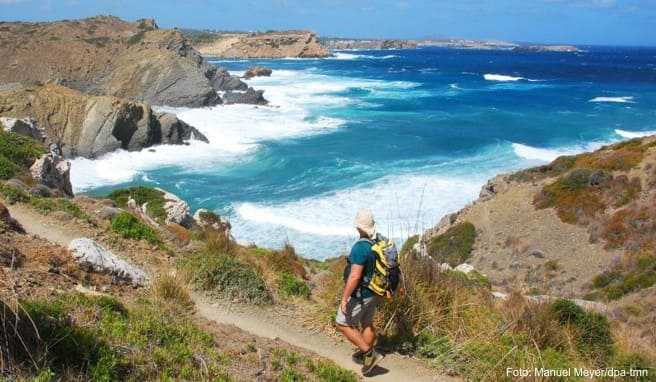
column 257, row 321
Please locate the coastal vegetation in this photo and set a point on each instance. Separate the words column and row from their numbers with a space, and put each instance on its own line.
column 17, row 153
column 453, row 246
column 128, row 226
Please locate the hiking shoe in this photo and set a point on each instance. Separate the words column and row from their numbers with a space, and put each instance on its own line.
column 358, row 357
column 371, row 359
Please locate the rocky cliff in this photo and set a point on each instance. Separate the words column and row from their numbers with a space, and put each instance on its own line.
column 302, row 44
column 90, row 126
column 107, row 56
column 583, row 225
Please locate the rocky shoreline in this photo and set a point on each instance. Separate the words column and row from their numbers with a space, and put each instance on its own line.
column 88, row 85
column 302, row 44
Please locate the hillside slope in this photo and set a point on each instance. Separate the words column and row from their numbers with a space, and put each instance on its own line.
column 582, row 225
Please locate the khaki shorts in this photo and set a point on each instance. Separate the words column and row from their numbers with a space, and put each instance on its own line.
column 359, row 312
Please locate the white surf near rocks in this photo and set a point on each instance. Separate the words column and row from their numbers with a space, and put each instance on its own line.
column 634, row 134
column 95, row 257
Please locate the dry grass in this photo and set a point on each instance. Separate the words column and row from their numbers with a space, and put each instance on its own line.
column 172, row 289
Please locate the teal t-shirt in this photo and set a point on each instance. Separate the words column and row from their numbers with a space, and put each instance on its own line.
column 361, row 254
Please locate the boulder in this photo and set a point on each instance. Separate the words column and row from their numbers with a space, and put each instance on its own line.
column 95, row 257
column 174, row 131
column 17, row 184
column 90, row 126
column 177, row 210
column 493, row 186
column 250, row 96
column 464, row 268
column 108, row 213
column 8, row 222
column 258, row 71
column 54, row 172
column 24, row 126
column 40, row 190
column 223, row 81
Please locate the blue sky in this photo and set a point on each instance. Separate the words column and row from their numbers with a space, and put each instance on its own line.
column 606, row 22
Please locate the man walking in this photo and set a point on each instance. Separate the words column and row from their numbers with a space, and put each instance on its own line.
column 358, row 305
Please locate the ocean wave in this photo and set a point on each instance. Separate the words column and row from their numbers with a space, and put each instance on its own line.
column 634, row 134
column 297, row 99
column 351, row 56
column 548, row 155
column 626, row 99
column 403, row 204
column 501, row 78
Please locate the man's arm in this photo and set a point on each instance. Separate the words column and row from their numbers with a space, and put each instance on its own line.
column 351, row 284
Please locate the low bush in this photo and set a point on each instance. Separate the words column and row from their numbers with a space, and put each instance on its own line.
column 634, row 275
column 592, row 331
column 8, row 169
column 13, row 195
column 19, row 149
column 572, row 196
column 130, row 227
column 453, row 246
column 226, row 276
column 141, row 195
column 292, row 286
column 171, row 289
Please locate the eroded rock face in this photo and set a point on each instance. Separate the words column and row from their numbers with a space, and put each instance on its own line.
column 96, row 258
column 105, row 55
column 90, row 126
column 177, row 210
column 54, row 172
column 24, row 126
column 250, row 96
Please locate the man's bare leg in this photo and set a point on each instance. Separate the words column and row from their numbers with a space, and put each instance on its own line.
column 369, row 335
column 355, row 337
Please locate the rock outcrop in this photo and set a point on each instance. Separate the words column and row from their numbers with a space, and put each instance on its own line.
column 96, row 258
column 302, row 44
column 54, row 172
column 250, row 96
column 258, row 71
column 107, row 56
column 177, row 210
column 224, row 81
column 90, row 126
column 24, row 126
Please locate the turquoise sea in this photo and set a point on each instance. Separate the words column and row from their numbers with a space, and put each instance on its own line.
column 410, row 134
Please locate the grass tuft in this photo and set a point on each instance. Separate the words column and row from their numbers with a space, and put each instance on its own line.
column 141, row 195
column 130, row 227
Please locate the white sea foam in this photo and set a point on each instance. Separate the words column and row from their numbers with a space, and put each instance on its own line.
column 633, row 134
column 501, row 78
column 351, row 56
column 548, row 155
column 404, row 205
column 627, row 99
column 235, row 131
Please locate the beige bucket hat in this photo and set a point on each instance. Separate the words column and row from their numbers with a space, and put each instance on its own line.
column 364, row 221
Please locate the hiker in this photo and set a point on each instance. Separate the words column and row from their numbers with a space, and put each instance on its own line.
column 358, row 305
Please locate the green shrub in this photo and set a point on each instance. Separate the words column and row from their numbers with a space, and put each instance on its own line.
column 13, row 195
column 292, row 286
column 593, row 335
column 137, row 38
column 455, row 245
column 129, row 227
column 8, row 169
column 21, row 150
column 621, row 281
column 227, row 276
column 141, row 195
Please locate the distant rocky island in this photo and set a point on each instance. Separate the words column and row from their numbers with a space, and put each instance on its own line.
column 345, row 44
